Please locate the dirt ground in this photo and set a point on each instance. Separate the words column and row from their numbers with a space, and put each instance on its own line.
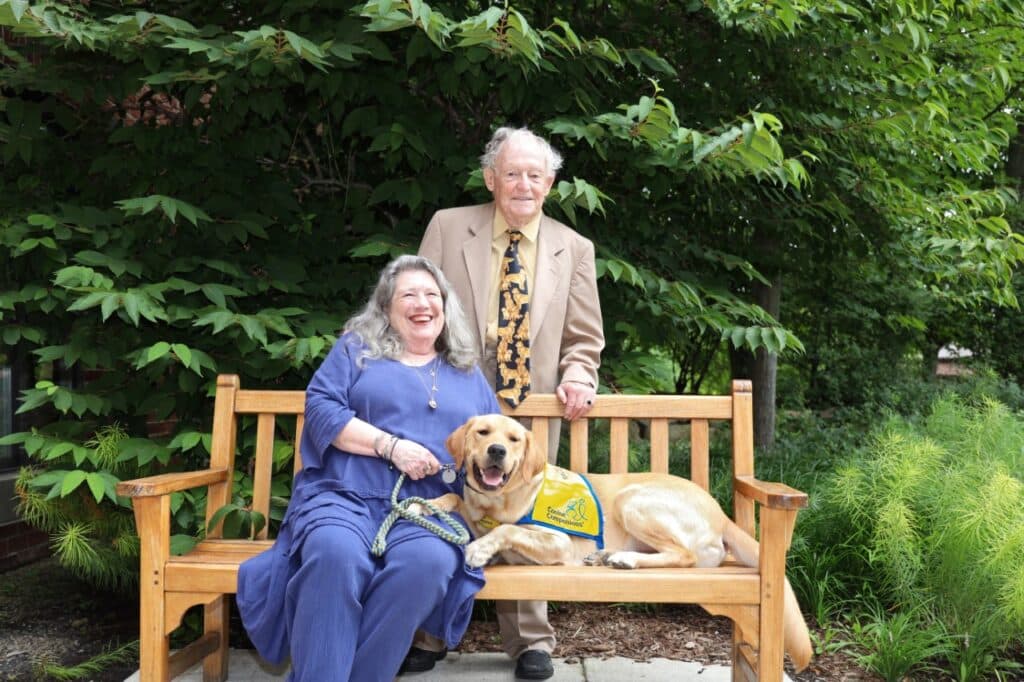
column 643, row 631
column 47, row 615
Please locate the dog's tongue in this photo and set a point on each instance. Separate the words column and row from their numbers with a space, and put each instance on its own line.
column 493, row 476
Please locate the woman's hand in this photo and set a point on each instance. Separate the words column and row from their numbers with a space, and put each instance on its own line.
column 414, row 460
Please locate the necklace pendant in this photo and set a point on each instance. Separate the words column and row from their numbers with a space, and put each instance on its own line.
column 449, row 476
column 433, row 404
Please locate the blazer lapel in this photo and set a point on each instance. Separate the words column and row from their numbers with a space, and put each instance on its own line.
column 550, row 257
column 476, row 252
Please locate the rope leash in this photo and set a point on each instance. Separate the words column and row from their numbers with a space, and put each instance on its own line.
column 460, row 536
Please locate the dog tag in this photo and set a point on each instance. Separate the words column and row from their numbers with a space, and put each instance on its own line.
column 449, row 475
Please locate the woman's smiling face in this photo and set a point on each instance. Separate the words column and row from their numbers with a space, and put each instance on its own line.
column 417, row 310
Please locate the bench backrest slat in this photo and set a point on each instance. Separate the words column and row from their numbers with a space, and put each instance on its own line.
column 278, row 402
column 743, row 451
column 262, row 468
column 222, row 446
column 300, row 422
column 539, row 428
column 633, row 406
column 618, row 435
column 700, row 467
column 659, row 445
column 579, row 445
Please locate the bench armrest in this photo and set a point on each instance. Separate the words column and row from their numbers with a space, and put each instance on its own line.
column 163, row 484
column 773, row 495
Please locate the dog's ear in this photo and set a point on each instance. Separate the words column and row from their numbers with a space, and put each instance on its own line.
column 534, row 460
column 456, row 443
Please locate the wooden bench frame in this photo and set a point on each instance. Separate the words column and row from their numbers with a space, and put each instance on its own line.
column 751, row 597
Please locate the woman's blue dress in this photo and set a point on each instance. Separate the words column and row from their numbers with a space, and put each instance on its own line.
column 317, row 593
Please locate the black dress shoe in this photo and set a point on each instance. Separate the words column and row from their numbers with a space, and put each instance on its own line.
column 534, row 664
column 420, row 660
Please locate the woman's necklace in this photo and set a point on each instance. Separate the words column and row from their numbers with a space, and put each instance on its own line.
column 432, row 390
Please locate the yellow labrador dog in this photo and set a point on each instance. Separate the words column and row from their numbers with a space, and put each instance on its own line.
column 652, row 520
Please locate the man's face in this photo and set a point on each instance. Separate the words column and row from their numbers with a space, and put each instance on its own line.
column 520, row 180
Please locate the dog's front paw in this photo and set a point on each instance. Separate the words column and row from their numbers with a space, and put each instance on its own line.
column 418, row 509
column 626, row 560
column 479, row 553
column 598, row 558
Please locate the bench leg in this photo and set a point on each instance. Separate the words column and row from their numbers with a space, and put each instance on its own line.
column 741, row 655
column 774, row 542
column 154, row 647
column 152, row 517
column 215, row 620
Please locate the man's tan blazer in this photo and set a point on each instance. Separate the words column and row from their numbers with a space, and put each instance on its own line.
column 566, row 331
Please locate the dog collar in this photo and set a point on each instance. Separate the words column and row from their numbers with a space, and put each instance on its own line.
column 488, row 523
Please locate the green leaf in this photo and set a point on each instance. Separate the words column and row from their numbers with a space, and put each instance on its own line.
column 18, row 8
column 97, row 485
column 62, row 400
column 58, row 450
column 131, row 307
column 157, row 351
column 370, row 249
column 220, row 514
column 186, row 440
column 14, row 438
column 183, row 353
column 71, row 482
column 48, row 478
column 182, row 544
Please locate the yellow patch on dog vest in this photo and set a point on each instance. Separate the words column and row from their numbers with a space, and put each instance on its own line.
column 567, row 502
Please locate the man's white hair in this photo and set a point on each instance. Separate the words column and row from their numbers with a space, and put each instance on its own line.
column 506, row 133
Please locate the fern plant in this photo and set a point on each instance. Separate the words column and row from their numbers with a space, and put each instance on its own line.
column 91, row 530
column 939, row 511
column 45, row 669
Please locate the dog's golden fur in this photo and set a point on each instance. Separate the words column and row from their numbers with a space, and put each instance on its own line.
column 652, row 520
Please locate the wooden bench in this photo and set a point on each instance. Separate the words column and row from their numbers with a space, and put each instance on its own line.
column 751, row 597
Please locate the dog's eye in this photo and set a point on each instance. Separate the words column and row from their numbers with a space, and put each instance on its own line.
column 514, row 439
column 483, row 432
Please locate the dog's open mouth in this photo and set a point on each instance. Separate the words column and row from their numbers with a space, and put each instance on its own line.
column 490, row 478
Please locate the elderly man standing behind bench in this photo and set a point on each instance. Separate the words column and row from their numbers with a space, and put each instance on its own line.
column 529, row 287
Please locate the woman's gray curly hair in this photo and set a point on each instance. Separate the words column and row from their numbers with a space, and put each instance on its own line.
column 372, row 324
column 489, row 159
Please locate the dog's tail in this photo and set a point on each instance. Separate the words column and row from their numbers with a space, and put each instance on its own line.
column 796, row 637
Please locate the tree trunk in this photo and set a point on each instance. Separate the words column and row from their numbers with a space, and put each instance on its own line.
column 766, row 368
column 761, row 367
column 1015, row 158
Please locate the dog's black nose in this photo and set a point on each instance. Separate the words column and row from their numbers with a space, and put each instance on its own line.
column 496, row 452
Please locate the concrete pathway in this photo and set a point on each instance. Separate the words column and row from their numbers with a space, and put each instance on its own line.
column 496, row 667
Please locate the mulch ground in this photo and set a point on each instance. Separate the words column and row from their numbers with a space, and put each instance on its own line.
column 641, row 632
column 46, row 615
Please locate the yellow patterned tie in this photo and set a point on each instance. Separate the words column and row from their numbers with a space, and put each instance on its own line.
column 513, row 351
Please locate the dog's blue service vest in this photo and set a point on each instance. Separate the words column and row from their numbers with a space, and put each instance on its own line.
column 567, row 502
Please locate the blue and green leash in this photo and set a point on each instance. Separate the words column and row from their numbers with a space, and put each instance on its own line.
column 458, row 535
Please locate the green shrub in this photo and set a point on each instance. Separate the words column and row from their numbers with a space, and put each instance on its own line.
column 937, row 509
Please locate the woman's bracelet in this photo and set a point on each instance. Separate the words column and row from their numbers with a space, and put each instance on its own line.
column 391, row 449
column 378, row 441
column 385, row 450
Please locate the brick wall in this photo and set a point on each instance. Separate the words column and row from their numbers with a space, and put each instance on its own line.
column 21, row 544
